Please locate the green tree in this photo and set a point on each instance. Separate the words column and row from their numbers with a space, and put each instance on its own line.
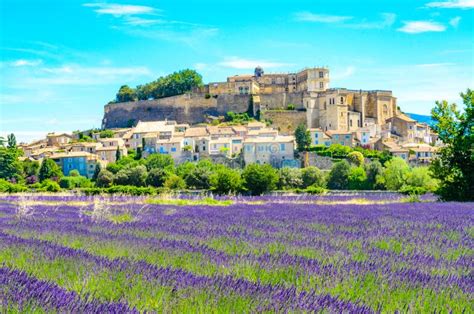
column 10, row 166
column 339, row 176
column 312, row 176
column 259, row 179
column 98, row 168
column 2, row 141
column 132, row 176
column 49, row 170
column 289, row 178
column 226, row 181
column 118, row 154
column 356, row 158
column 454, row 164
column 303, row 138
column 374, row 171
column 357, row 178
column 11, row 141
column 174, row 182
column 157, row 177
column 104, row 179
column 422, row 177
column 395, row 174
column 125, row 94
column 162, row 161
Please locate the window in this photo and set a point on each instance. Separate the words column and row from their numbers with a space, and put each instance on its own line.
column 248, row 148
column 350, row 122
column 342, row 100
column 282, row 147
column 321, row 74
column 348, row 137
column 173, row 149
column 321, row 85
column 316, row 135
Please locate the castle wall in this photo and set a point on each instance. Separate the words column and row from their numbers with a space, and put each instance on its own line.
column 285, row 120
column 187, row 108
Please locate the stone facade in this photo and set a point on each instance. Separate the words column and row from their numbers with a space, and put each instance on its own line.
column 285, row 120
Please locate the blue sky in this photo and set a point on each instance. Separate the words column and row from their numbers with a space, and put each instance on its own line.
column 61, row 61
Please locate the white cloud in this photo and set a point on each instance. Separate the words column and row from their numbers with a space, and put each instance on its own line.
column 120, row 9
column 240, row 63
column 415, row 27
column 23, row 62
column 348, row 72
column 434, row 65
column 320, row 18
column 454, row 4
column 200, row 66
column 387, row 20
column 454, row 22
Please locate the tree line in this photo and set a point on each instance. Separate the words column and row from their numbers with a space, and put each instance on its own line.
column 173, row 84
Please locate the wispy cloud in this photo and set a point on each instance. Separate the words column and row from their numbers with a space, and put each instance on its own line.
column 454, row 4
column 454, row 22
column 150, row 22
column 23, row 63
column 347, row 72
column 416, row 27
column 240, row 63
column 320, row 18
column 387, row 20
column 434, row 65
column 120, row 9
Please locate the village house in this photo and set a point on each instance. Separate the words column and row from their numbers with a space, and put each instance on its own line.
column 341, row 137
column 85, row 163
column 268, row 150
column 59, row 140
column 319, row 137
column 109, row 153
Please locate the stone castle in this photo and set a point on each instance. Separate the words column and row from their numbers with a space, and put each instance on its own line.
column 286, row 99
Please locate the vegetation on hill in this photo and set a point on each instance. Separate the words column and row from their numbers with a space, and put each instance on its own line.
column 173, row 84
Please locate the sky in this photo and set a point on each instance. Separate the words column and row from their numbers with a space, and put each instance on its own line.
column 62, row 61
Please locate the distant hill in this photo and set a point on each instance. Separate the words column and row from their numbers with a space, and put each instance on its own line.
column 421, row 118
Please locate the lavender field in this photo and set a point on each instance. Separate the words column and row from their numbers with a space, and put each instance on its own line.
column 354, row 254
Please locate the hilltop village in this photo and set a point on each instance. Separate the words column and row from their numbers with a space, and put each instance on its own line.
column 195, row 125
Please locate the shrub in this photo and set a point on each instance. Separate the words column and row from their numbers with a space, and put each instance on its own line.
column 356, row 158
column 106, row 134
column 131, row 176
column 74, row 173
column 315, row 190
column 339, row 176
column 290, row 107
column 161, row 161
column 421, row 177
column 157, row 177
column 174, row 182
column 199, row 176
column 131, row 190
column 395, row 174
column 74, row 182
column 104, row 179
column 374, row 171
column 259, row 179
column 226, row 180
column 289, row 178
column 50, row 186
column 8, row 187
column 413, row 190
column 312, row 176
column 357, row 178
